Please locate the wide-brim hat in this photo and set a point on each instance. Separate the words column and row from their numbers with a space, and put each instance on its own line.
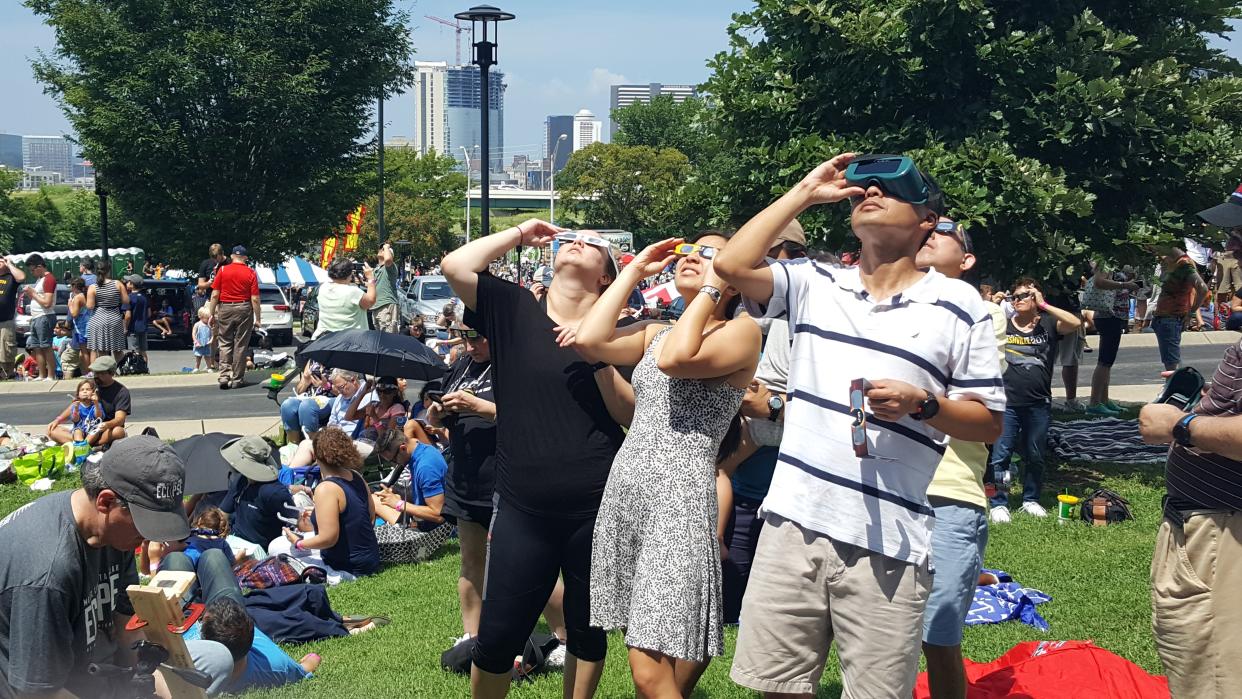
column 1227, row 215
column 252, row 457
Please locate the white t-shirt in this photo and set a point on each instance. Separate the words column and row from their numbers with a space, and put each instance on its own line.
column 936, row 335
column 339, row 309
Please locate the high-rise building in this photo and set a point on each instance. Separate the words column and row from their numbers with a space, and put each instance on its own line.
column 553, row 128
column 446, row 111
column 625, row 95
column 587, row 129
column 11, row 151
column 48, row 154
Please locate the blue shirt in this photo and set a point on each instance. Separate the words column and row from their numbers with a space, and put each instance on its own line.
column 427, row 467
column 90, row 280
column 138, row 306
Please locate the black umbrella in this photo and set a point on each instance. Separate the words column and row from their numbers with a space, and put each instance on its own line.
column 376, row 353
column 205, row 470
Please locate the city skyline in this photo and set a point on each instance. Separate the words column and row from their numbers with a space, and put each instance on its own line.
column 556, row 62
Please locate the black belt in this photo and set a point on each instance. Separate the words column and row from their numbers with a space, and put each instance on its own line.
column 1177, row 515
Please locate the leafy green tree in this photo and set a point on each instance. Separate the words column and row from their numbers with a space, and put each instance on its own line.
column 225, row 120
column 422, row 204
column 663, row 123
column 1056, row 129
column 635, row 188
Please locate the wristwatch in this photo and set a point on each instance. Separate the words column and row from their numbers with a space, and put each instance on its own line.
column 1181, row 431
column 775, row 405
column 927, row 409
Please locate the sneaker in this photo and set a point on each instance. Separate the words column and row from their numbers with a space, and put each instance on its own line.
column 464, row 637
column 557, row 657
column 1034, row 509
column 1000, row 515
column 1074, row 406
column 1115, row 406
column 1101, row 410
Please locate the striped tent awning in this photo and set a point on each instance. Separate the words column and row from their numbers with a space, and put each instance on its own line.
column 295, row 271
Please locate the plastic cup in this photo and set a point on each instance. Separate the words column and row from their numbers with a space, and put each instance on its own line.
column 1065, row 507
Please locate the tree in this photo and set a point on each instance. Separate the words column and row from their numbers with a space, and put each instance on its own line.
column 635, row 188
column 422, row 204
column 1056, row 130
column 663, row 123
column 225, row 120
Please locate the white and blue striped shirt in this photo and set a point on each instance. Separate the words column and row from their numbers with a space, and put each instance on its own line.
column 936, row 335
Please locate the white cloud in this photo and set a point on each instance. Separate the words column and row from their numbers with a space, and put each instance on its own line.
column 602, row 79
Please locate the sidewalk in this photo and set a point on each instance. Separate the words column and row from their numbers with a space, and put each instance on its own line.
column 180, row 429
column 131, row 382
column 1211, row 337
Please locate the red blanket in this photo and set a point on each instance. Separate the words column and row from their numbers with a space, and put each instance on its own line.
column 1054, row 670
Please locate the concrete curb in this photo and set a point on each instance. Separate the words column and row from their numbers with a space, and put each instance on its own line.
column 131, row 382
column 180, row 429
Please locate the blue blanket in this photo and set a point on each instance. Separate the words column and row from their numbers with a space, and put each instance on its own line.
column 1006, row 600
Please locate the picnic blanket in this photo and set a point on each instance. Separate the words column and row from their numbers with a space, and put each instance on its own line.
column 1054, row 670
column 1006, row 600
column 1110, row 439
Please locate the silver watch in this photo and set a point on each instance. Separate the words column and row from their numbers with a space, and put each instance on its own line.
column 712, row 292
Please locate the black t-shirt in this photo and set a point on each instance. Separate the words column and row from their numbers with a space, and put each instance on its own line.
column 207, row 270
column 555, row 439
column 253, row 509
column 57, row 598
column 9, row 291
column 1028, row 377
column 471, row 476
column 113, row 398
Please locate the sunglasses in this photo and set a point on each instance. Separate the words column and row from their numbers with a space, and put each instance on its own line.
column 706, row 252
column 1023, row 296
column 954, row 230
column 858, row 430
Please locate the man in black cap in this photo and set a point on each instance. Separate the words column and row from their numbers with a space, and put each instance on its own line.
column 235, row 306
column 66, row 560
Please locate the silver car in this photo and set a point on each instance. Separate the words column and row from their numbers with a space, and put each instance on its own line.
column 426, row 296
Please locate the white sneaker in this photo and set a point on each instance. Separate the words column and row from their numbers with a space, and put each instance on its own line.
column 1034, row 509
column 1000, row 515
column 1074, row 406
column 557, row 657
column 464, row 637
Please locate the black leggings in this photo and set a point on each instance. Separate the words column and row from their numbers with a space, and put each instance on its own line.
column 1110, row 339
column 524, row 555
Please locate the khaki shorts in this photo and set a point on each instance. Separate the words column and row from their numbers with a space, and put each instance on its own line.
column 1069, row 348
column 805, row 590
column 388, row 318
column 1196, row 572
column 8, row 345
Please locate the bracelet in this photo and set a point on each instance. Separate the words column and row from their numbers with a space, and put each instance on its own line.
column 712, row 292
column 1043, row 306
column 299, row 545
column 598, row 366
column 400, row 506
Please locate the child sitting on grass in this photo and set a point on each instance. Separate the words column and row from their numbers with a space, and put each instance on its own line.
column 208, row 531
column 84, row 415
column 202, row 340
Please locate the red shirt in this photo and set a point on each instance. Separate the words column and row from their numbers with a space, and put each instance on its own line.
column 236, row 283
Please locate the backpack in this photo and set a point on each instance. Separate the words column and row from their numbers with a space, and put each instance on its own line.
column 534, row 656
column 133, row 363
column 1104, row 507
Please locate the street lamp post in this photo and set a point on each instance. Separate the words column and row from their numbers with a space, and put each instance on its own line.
column 552, row 184
column 380, row 140
column 480, row 16
column 467, row 155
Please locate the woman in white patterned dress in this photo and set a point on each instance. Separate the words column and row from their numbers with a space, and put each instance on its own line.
column 655, row 565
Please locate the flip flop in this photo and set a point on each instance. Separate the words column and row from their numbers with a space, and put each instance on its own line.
column 362, row 620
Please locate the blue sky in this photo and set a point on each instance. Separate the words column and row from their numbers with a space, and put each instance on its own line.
column 559, row 57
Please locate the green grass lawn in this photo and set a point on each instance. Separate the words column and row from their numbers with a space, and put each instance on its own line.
column 1097, row 578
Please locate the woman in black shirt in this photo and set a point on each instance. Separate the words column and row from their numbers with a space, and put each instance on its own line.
column 554, row 447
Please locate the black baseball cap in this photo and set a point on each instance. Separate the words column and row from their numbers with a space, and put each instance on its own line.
column 148, row 475
column 1227, row 215
column 240, row 250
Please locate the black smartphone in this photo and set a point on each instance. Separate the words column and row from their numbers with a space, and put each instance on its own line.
column 436, row 396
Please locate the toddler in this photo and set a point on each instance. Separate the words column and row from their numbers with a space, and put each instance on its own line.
column 202, row 340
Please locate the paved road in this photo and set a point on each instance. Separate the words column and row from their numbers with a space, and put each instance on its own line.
column 166, row 361
column 1141, row 365
column 1135, row 365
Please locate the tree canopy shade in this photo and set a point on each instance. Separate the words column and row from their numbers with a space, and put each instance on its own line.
column 226, row 120
column 1057, row 129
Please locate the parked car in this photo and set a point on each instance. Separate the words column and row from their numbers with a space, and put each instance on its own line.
column 277, row 314
column 310, row 312
column 22, row 320
column 426, row 296
column 176, row 295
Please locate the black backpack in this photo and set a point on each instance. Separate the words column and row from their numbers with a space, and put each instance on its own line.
column 1105, row 507
column 133, row 363
column 534, row 656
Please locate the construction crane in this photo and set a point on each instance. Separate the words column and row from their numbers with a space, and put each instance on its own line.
column 457, row 28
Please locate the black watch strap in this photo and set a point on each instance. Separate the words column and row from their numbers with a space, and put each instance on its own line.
column 928, row 408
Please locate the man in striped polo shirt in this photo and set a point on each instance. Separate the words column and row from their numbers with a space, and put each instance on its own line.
column 845, row 549
column 1196, row 570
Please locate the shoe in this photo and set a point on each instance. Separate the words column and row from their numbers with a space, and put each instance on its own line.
column 464, row 637
column 1115, row 406
column 1034, row 509
column 1074, row 406
column 557, row 657
column 1102, row 410
column 236, row 384
column 224, row 385
column 1087, row 349
column 150, row 432
column 1000, row 515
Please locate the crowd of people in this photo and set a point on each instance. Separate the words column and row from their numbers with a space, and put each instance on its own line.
column 815, row 450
